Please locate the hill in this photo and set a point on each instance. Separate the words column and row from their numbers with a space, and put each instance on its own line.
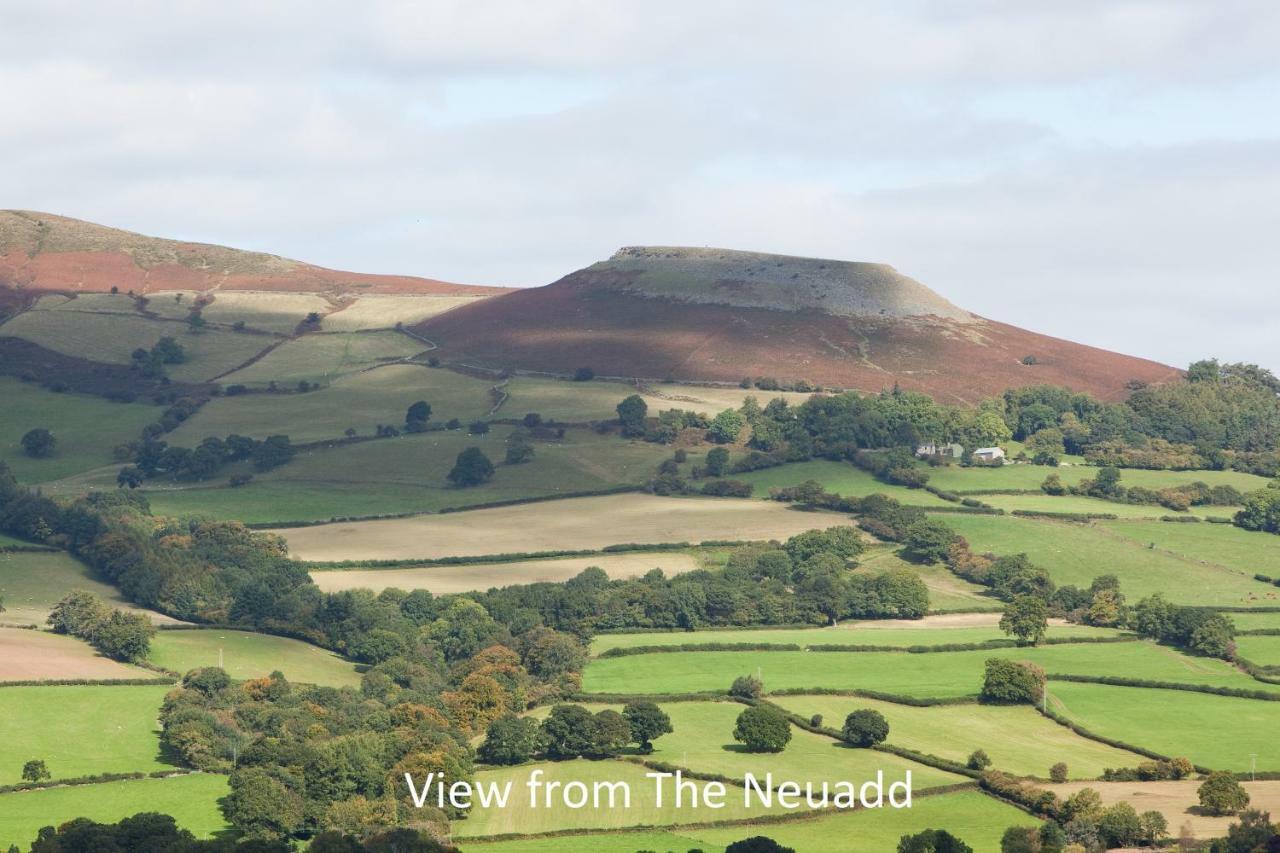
column 44, row 252
column 719, row 315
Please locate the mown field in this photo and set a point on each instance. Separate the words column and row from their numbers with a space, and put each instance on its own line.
column 576, row 524
column 871, row 633
column 1018, row 739
column 1220, row 732
column 40, row 656
column 442, row 580
column 930, row 674
column 248, row 655
column 191, row 799
column 1077, row 553
column 1178, row 801
column 85, row 428
column 977, row 819
column 82, row 730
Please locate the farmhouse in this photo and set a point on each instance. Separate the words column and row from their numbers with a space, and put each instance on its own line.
column 950, row 451
column 988, row 454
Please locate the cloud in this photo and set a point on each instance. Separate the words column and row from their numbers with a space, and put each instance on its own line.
column 1101, row 170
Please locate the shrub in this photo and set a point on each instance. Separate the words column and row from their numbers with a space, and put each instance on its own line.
column 747, row 687
column 1058, row 772
column 584, row 374
column 978, row 760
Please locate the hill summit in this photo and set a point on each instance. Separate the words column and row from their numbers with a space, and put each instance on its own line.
column 778, row 282
column 716, row 315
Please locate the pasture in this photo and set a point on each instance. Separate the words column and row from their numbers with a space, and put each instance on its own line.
column 929, row 674
column 946, row 590
column 244, row 654
column 1254, row 621
column 1074, row 504
column 954, row 478
column 271, row 312
column 191, row 799
column 444, row 580
column 573, row 524
column 83, row 729
column 1018, row 739
column 1260, row 650
column 383, row 312
column 1077, row 553
column 1219, row 732
column 1210, row 544
column 86, row 428
column 38, row 656
column 358, row 402
column 32, row 583
column 1177, row 801
column 408, row 474
column 320, row 358
column 841, row 478
column 702, row 740
column 598, row 400
column 871, row 633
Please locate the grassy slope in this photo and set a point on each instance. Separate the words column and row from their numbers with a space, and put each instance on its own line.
column 1215, row 731
column 1261, row 650
column 1076, row 554
column 324, row 357
column 408, row 474
column 192, row 800
column 86, row 429
column 32, row 583
column 957, row 479
column 1018, row 739
column 930, row 674
column 1219, row 544
column 249, row 655
column 946, row 590
column 590, row 401
column 847, row 634
column 80, row 730
column 838, row 477
column 1250, row 621
column 1075, row 504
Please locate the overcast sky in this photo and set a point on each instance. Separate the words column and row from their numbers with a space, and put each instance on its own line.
column 1100, row 170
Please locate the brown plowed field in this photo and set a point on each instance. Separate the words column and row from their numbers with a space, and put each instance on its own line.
column 40, row 656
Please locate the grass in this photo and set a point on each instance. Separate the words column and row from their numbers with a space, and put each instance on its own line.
column 321, row 358
column 248, row 655
column 933, row 674
column 80, row 730
column 442, row 580
column 1214, row 544
column 838, row 477
column 32, row 583
column 360, row 402
column 272, row 312
column 1215, row 731
column 702, row 740
column 957, row 479
column 86, row 429
column 946, row 591
column 1260, row 650
column 848, row 634
column 576, row 524
column 1077, row 553
column 1252, row 621
column 408, row 474
column 593, row 401
column 1018, row 739
column 383, row 312
column 1074, row 504
column 192, row 800
column 977, row 819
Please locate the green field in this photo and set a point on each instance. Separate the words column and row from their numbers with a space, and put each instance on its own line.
column 1260, row 650
column 1018, row 739
column 86, row 429
column 248, row 655
column 954, row 478
column 931, row 674
column 946, row 590
column 407, row 474
column 80, row 730
column 192, row 800
column 324, row 357
column 273, row 312
column 32, row 583
column 977, row 819
column 840, row 478
column 1253, row 621
column 1074, row 504
column 358, row 402
column 702, row 740
column 1213, row 544
column 1077, row 553
column 848, row 634
column 1215, row 731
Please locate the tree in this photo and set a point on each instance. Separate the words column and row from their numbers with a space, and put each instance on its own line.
column 1011, row 682
column 208, row 680
column 758, row 844
column 272, row 452
column 631, row 414
column 471, row 468
column 1221, row 794
column 725, row 427
column 932, row 841
column 1020, row 839
column 1027, row 618
column 519, row 450
column 569, row 731
column 169, row 351
column 416, row 417
column 647, row 722
column 747, row 687
column 124, row 635
column 762, row 728
column 1120, row 826
column 1046, row 446
column 35, row 771
column 463, row 629
column 978, row 760
column 1107, row 609
column 844, row 543
column 927, row 541
column 1058, row 772
column 1155, row 828
column 38, row 443
column 1254, row 832
column 717, row 461
column 261, row 806
column 1261, row 511
column 612, row 733
column 511, row 740
column 865, row 727
column 584, row 374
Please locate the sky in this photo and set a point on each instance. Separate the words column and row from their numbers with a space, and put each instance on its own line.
column 1101, row 170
